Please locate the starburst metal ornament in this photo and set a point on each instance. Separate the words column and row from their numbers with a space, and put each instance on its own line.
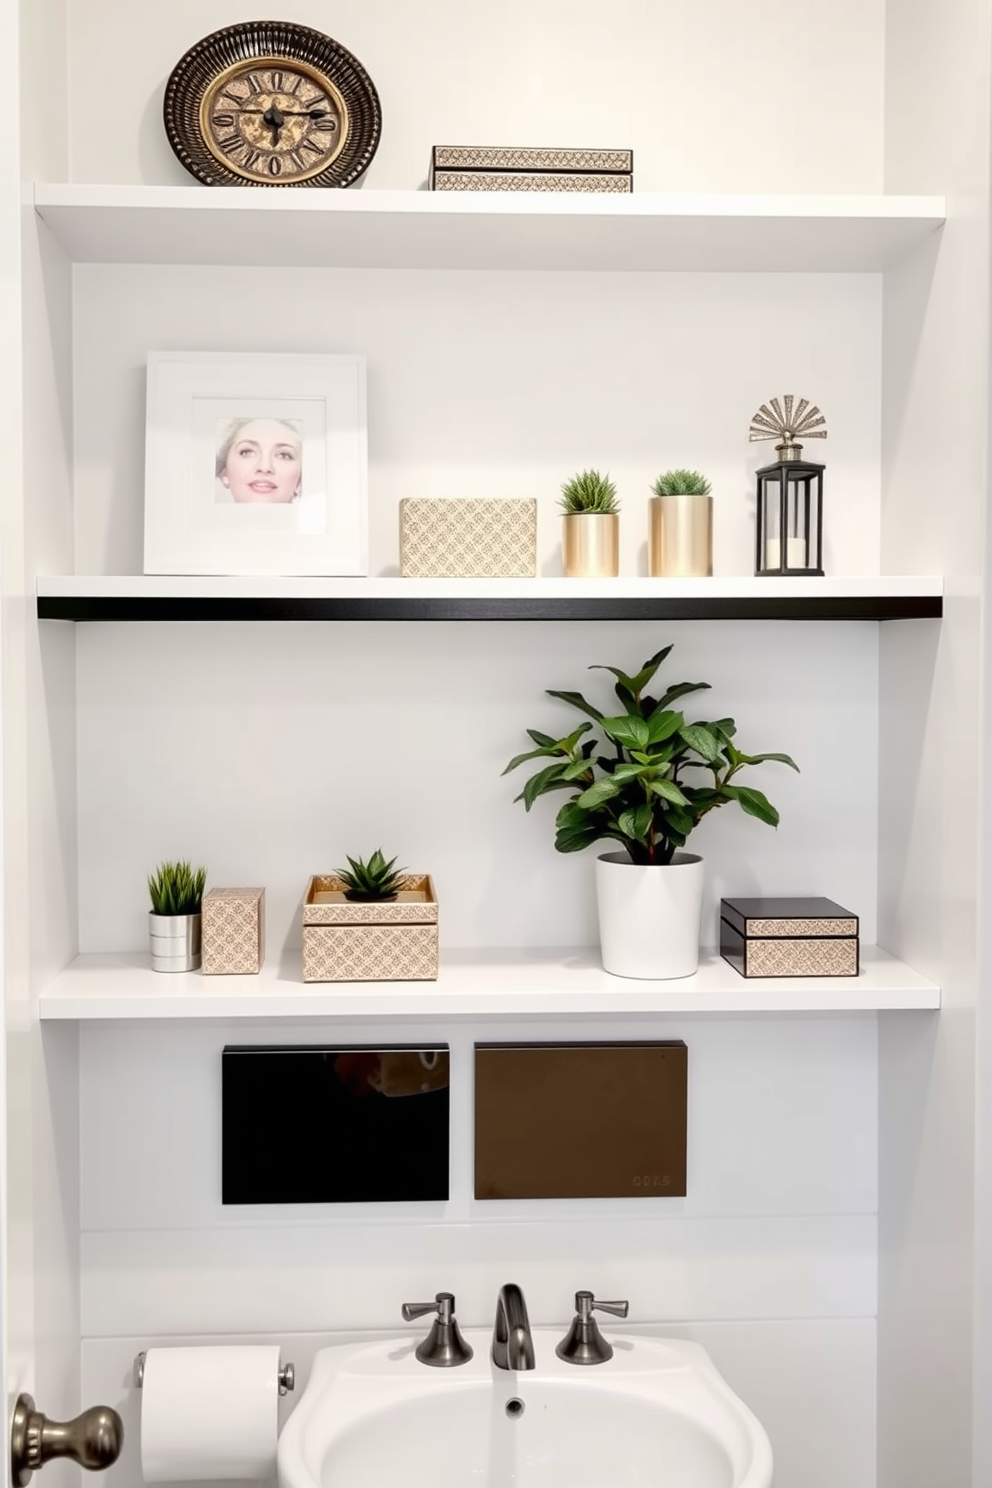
column 789, row 505
column 784, row 419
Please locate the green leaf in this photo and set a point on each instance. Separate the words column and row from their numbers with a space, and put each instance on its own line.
column 699, row 738
column 630, row 772
column 572, row 815
column 635, row 823
column 632, row 733
column 539, row 783
column 662, row 724
column 757, row 759
column 603, row 790
column 754, row 803
column 575, row 769
column 679, row 690
column 724, row 728
column 649, row 668
column 543, row 739
column 678, row 821
column 669, row 791
column 576, row 841
column 543, row 752
column 627, row 683
column 576, row 700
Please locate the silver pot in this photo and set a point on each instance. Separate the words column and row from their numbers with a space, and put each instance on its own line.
column 174, row 942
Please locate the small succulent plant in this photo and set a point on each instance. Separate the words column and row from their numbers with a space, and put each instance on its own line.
column 176, row 889
column 371, row 878
column 589, row 492
column 682, row 483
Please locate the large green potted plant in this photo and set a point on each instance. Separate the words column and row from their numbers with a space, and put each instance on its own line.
column 644, row 778
column 590, row 527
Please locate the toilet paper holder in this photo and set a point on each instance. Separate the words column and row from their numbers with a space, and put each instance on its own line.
column 287, row 1375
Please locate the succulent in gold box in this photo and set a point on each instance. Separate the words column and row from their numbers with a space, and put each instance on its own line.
column 353, row 935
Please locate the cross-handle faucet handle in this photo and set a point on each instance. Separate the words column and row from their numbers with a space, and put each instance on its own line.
column 444, row 1346
column 585, row 1302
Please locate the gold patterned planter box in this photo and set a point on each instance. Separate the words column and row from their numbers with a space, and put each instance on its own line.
column 574, row 181
column 233, row 932
column 393, row 940
column 468, row 538
column 789, row 937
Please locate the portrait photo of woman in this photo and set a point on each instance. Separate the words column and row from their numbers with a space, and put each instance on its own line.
column 259, row 460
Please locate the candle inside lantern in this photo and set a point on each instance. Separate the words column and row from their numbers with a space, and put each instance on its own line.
column 795, row 552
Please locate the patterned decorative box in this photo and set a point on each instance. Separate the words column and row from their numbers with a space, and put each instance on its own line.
column 233, row 932
column 468, row 538
column 577, row 181
column 542, row 158
column 392, row 940
column 788, row 937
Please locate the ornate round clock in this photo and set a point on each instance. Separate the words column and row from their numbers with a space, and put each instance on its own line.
column 268, row 103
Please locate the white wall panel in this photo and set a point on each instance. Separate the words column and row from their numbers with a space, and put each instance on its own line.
column 715, row 96
column 504, row 384
column 292, row 1276
column 767, row 1133
column 268, row 752
column 811, row 1384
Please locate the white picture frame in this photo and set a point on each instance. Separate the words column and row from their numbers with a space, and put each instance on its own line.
column 255, row 463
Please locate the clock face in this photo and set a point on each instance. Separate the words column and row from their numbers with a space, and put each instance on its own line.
column 269, row 103
column 272, row 120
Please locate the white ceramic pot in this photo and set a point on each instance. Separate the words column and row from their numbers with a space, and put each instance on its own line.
column 174, row 942
column 649, row 915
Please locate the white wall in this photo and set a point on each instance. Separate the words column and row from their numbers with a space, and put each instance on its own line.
column 714, row 96
column 933, row 1261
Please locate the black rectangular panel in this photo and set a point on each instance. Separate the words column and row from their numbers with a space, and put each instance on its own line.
column 313, row 1125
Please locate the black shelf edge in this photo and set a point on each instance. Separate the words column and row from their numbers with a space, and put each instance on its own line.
column 175, row 608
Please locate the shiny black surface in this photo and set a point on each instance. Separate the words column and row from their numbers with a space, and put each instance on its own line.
column 312, row 1125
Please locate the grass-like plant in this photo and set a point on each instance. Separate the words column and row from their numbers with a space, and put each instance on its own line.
column 371, row 879
column 651, row 791
column 177, row 889
column 682, row 483
column 589, row 492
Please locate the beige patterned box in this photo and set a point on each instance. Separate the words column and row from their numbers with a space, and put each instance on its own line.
column 575, row 181
column 529, row 158
column 468, row 538
column 789, row 937
column 233, row 931
column 393, row 940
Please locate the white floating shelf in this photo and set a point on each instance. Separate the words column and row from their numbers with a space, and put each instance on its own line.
column 486, row 984
column 478, row 230
column 80, row 597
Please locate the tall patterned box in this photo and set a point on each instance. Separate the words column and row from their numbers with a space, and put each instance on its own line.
column 233, row 931
column 391, row 940
column 789, row 937
column 468, row 538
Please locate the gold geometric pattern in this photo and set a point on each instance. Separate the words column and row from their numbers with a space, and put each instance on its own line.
column 468, row 538
column 232, row 932
column 500, row 157
column 801, row 958
column 369, row 953
column 802, row 927
column 531, row 181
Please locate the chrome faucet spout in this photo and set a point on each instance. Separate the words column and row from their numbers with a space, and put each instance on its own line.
column 513, row 1346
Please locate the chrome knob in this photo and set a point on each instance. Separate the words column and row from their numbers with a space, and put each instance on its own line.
column 93, row 1439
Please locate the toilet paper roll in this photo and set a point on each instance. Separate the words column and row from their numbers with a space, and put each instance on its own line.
column 209, row 1414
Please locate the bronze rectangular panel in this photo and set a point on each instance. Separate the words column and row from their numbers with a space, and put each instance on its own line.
column 580, row 1121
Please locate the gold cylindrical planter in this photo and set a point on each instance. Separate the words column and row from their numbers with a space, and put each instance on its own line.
column 591, row 545
column 680, row 537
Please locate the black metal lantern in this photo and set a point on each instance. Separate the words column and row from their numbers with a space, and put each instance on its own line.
column 789, row 531
column 789, row 507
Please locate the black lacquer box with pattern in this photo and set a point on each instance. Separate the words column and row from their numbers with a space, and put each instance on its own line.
column 789, row 937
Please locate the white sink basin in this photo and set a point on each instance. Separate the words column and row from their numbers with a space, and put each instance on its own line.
column 657, row 1413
